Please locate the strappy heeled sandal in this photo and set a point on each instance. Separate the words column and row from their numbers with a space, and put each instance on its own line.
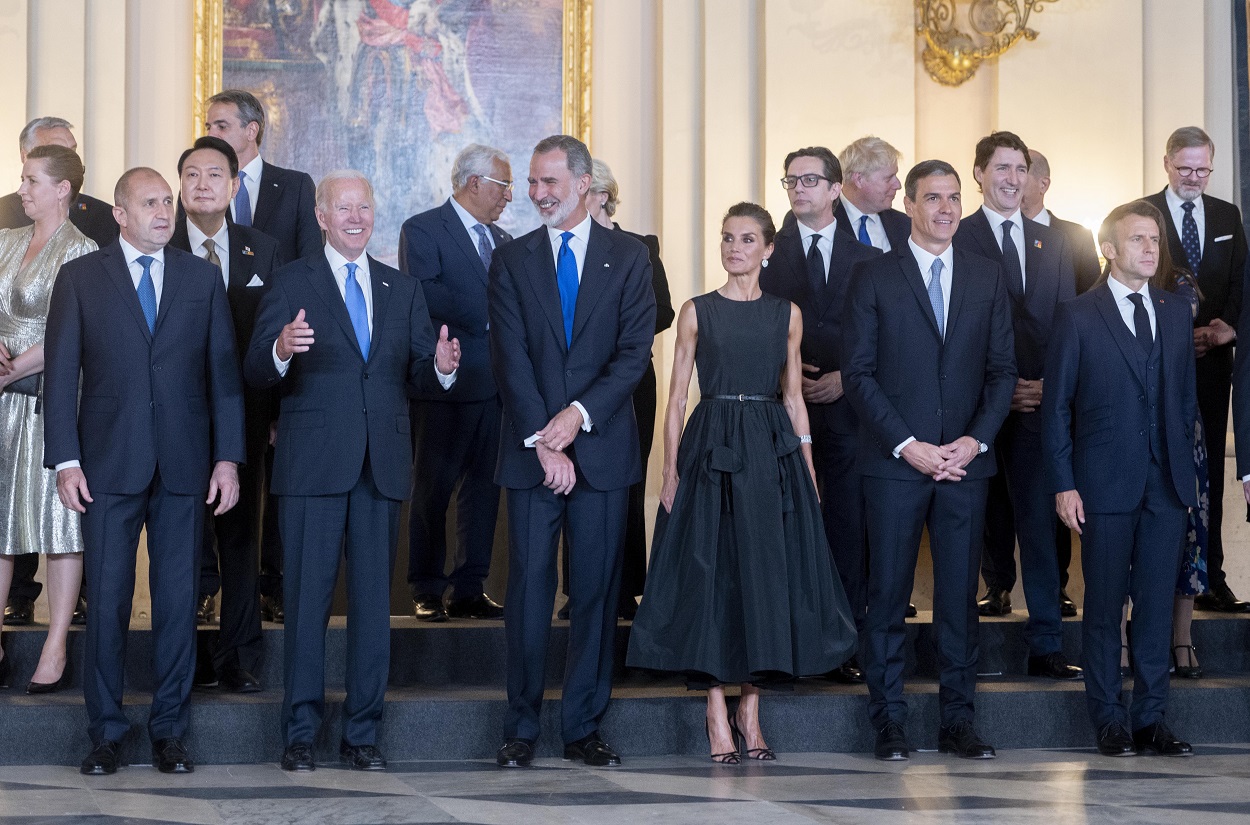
column 729, row 758
column 760, row 754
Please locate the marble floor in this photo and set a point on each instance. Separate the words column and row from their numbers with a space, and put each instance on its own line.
column 1028, row 786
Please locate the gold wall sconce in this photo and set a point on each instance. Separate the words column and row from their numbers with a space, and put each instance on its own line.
column 952, row 56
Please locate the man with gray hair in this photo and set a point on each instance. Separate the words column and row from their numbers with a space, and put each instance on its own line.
column 456, row 433
column 869, row 184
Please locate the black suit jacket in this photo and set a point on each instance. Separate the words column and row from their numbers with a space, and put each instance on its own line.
column 539, row 375
column 1223, row 261
column 170, row 400
column 905, row 381
column 93, row 218
column 664, row 314
column 1094, row 409
column 786, row 277
column 1084, row 252
column 435, row 249
column 897, row 225
column 335, row 407
column 285, row 211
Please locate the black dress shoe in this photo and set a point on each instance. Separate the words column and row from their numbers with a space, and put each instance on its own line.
column 429, row 608
column 1221, row 600
column 6, row 668
column 995, row 602
column 272, row 610
column 911, row 610
column 170, row 756
column 1054, row 666
column 20, row 611
column 962, row 739
column 847, row 673
column 593, row 751
column 1162, row 741
column 475, row 607
column 563, row 613
column 891, row 743
column 205, row 677
column 205, row 610
column 515, row 753
column 1113, row 740
column 237, row 680
column 362, row 757
column 79, row 616
column 102, row 760
column 627, row 610
column 298, row 758
column 1067, row 607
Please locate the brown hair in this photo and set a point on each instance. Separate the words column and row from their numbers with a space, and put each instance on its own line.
column 61, row 164
column 757, row 213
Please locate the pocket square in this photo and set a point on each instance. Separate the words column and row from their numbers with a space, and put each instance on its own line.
column 1223, row 238
column 256, row 281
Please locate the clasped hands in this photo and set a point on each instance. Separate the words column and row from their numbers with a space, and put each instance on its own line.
column 223, row 487
column 1215, row 334
column 297, row 336
column 945, row 462
column 559, row 474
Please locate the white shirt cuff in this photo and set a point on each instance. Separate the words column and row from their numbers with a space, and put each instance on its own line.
column 445, row 380
column 280, row 365
column 1245, row 478
column 898, row 451
column 585, row 416
column 531, row 441
column 65, row 465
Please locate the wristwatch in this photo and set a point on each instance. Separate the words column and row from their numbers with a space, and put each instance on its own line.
column 982, row 447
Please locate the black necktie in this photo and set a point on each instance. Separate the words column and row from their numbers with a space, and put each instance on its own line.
column 1011, row 262
column 815, row 265
column 1141, row 321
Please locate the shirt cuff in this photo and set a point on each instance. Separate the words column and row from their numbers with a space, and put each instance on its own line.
column 1245, row 478
column 898, row 451
column 585, row 416
column 280, row 365
column 531, row 441
column 445, row 381
column 65, row 465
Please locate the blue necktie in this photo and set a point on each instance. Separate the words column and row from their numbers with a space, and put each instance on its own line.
column 1189, row 237
column 1011, row 263
column 566, row 280
column 147, row 292
column 935, row 295
column 355, row 297
column 863, row 231
column 484, row 249
column 242, row 204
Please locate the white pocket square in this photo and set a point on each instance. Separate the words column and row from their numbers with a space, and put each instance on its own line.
column 256, row 281
column 1223, row 238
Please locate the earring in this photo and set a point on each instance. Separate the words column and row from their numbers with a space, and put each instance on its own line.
column 764, row 263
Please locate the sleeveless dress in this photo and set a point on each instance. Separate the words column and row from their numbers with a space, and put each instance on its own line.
column 741, row 586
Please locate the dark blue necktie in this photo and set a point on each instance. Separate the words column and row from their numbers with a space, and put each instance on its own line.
column 242, row 204
column 1189, row 238
column 1011, row 262
column 566, row 280
column 1141, row 322
column 484, row 249
column 147, row 292
column 863, row 231
column 935, row 295
column 356, row 310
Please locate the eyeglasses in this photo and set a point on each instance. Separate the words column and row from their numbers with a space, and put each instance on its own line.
column 1186, row 171
column 808, row 181
column 506, row 184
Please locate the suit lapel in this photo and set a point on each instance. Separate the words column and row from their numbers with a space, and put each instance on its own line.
column 240, row 264
column 982, row 235
column 540, row 269
column 324, row 285
column 823, row 298
column 169, row 289
column 596, row 274
column 119, row 274
column 268, row 193
column 1124, row 339
column 959, row 288
column 381, row 290
column 911, row 273
column 1034, row 253
column 455, row 228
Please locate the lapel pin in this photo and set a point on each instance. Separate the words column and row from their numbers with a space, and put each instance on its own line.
column 384, row 283
column 1037, row 244
column 247, row 250
column 82, row 207
column 605, row 266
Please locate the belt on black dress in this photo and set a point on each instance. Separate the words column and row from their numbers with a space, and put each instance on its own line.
column 741, row 397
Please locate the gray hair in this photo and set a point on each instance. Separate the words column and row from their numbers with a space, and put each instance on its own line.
column 602, row 180
column 1188, row 137
column 26, row 140
column 250, row 109
column 1040, row 167
column 323, row 188
column 475, row 160
column 867, row 155
column 575, row 152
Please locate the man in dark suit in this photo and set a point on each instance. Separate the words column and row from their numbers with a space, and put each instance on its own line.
column 811, row 266
column 456, row 434
column 343, row 456
column 1118, row 417
column 1205, row 235
column 572, row 317
column 93, row 218
column 231, row 552
column 146, row 330
column 928, row 366
column 280, row 203
column 869, row 184
column 1037, row 269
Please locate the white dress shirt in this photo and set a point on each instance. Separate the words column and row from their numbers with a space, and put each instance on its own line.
column 469, row 222
column 1043, row 217
column 876, row 229
column 1121, row 292
column 1178, row 218
column 824, row 242
column 222, row 242
column 1017, row 233
column 251, row 182
column 924, row 259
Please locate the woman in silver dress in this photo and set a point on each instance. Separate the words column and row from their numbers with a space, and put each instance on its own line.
column 32, row 519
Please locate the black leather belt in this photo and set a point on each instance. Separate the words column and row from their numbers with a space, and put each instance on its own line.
column 741, row 397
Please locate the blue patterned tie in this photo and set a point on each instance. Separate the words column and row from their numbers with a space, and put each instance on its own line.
column 863, row 231
column 935, row 295
column 484, row 249
column 1189, row 237
column 242, row 204
column 566, row 280
column 355, row 297
column 147, row 292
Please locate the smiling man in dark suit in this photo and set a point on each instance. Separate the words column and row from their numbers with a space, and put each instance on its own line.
column 231, row 554
column 928, row 366
column 869, row 184
column 1206, row 236
column 1118, row 417
column 145, row 330
column 811, row 266
column 456, row 434
column 1037, row 269
column 572, row 318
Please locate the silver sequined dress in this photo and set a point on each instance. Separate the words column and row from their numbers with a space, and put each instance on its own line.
column 32, row 518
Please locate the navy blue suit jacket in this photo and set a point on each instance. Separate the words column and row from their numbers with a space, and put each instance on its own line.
column 334, row 405
column 897, row 225
column 905, row 381
column 539, row 375
column 1220, row 273
column 286, row 211
column 170, row 400
column 435, row 249
column 1094, row 410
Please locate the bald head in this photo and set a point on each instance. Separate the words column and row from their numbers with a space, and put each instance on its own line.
column 144, row 209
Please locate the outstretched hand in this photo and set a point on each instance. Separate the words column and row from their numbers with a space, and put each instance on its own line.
column 295, row 337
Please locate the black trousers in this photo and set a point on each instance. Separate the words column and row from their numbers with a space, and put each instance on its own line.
column 1215, row 370
column 841, row 504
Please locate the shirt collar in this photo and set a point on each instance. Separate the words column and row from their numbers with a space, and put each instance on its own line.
column 337, row 261
column 581, row 232
column 806, row 232
column 197, row 238
column 1121, row 292
column 854, row 213
column 132, row 254
column 1174, row 202
column 924, row 258
column 996, row 220
column 466, row 218
column 1043, row 217
column 253, row 169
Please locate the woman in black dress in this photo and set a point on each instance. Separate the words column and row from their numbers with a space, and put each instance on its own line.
column 741, row 587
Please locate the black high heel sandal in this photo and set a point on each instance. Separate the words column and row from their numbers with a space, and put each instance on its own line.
column 1190, row 671
column 729, row 758
column 760, row 754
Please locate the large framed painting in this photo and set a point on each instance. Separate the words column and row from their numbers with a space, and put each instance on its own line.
column 396, row 88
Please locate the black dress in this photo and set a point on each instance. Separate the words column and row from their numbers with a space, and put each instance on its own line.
column 741, row 586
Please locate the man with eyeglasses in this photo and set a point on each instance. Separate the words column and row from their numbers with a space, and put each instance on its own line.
column 1205, row 236
column 811, row 266
column 456, row 433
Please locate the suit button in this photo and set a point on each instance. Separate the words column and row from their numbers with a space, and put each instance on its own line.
column 568, row 373
column 820, row 325
column 1141, row 432
column 366, row 375
column 939, row 413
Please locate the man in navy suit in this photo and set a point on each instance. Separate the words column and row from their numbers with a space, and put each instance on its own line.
column 145, row 328
column 928, row 366
column 1206, row 236
column 345, row 339
column 1118, row 432
column 448, row 249
column 1037, row 268
column 230, row 558
column 572, row 317
column 869, row 184
column 811, row 266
